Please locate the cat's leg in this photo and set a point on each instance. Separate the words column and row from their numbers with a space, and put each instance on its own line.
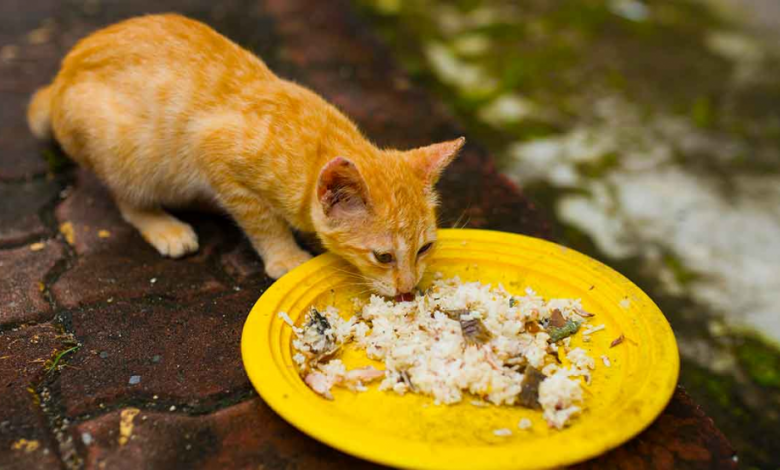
column 169, row 235
column 270, row 235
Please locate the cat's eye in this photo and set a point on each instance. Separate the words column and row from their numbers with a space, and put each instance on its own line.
column 384, row 258
column 425, row 248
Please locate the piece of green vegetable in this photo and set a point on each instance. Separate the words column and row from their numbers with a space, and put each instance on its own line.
column 558, row 333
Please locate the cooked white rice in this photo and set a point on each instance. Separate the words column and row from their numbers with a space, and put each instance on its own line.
column 525, row 423
column 424, row 349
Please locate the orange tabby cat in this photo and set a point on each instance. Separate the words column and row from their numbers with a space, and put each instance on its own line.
column 167, row 112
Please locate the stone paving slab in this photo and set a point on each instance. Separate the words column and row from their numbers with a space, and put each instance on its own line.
column 114, row 262
column 243, row 436
column 242, row 263
column 20, row 205
column 22, row 282
column 156, row 351
column 683, row 437
column 25, row 439
column 28, row 58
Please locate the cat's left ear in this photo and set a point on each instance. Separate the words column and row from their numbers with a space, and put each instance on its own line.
column 341, row 189
column 429, row 162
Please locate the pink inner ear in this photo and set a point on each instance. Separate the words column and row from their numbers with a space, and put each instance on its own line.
column 331, row 173
column 430, row 161
column 340, row 186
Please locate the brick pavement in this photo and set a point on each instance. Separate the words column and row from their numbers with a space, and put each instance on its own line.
column 158, row 340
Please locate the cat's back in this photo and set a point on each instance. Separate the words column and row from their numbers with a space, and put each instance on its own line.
column 127, row 97
column 157, row 44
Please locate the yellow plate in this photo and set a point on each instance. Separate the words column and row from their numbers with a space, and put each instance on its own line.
column 410, row 431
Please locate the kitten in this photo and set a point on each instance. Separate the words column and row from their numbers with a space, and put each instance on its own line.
column 167, row 112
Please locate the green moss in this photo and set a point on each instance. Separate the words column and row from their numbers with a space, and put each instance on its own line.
column 719, row 389
column 682, row 274
column 600, row 167
column 586, row 16
column 702, row 112
column 760, row 360
column 752, row 434
column 531, row 129
column 56, row 160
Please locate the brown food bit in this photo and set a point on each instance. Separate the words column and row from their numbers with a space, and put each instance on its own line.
column 532, row 327
column 557, row 320
column 584, row 313
column 332, row 350
column 474, row 331
column 617, row 341
column 490, row 359
column 407, row 380
column 456, row 314
column 529, row 394
column 555, row 355
column 518, row 363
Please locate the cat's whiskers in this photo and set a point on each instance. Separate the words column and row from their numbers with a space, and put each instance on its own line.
column 465, row 223
column 355, row 284
column 348, row 272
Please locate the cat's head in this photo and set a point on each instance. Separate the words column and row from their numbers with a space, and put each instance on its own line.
column 379, row 212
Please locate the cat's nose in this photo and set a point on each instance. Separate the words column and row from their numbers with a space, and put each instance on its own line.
column 405, row 286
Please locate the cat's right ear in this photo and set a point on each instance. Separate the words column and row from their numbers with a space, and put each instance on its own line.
column 341, row 189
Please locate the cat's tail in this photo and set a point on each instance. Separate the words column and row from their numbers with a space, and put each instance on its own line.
column 39, row 113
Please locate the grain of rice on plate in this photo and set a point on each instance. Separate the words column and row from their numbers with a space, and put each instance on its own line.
column 454, row 340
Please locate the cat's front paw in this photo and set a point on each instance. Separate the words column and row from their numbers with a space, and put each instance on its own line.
column 171, row 237
column 278, row 265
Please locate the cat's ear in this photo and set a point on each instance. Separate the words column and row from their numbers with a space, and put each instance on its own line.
column 428, row 162
column 341, row 190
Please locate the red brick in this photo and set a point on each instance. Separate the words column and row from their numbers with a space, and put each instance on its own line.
column 120, row 264
column 244, row 436
column 21, row 284
column 682, row 437
column 19, row 208
column 22, row 356
column 24, row 15
column 242, row 262
column 21, row 155
column 182, row 352
column 90, row 209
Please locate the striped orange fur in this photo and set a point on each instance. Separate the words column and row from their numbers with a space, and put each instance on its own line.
column 167, row 112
